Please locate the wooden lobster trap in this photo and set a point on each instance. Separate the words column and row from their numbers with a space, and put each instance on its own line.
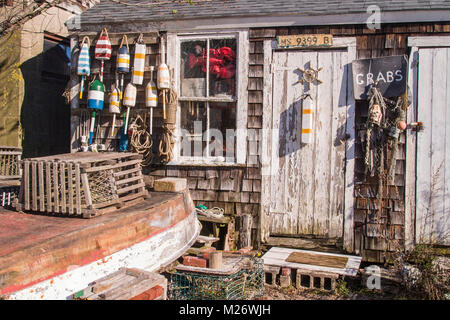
column 83, row 184
column 9, row 162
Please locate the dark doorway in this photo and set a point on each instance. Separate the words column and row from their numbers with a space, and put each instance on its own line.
column 45, row 116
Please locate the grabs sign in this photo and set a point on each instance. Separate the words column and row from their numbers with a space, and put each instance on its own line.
column 389, row 72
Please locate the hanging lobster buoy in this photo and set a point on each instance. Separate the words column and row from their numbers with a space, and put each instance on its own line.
column 307, row 120
column 114, row 105
column 151, row 97
column 103, row 50
column 163, row 77
column 96, row 96
column 163, row 80
column 139, row 61
column 84, row 62
column 129, row 100
column 123, row 61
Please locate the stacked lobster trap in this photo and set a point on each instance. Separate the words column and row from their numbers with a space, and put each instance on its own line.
column 84, row 184
column 9, row 174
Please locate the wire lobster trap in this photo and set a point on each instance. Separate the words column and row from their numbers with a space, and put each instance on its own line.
column 245, row 284
column 83, row 184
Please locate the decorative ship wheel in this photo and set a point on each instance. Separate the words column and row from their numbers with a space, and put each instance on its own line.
column 310, row 75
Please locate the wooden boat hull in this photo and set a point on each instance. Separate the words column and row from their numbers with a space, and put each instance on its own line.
column 55, row 257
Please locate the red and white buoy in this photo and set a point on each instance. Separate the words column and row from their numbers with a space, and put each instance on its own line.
column 103, row 50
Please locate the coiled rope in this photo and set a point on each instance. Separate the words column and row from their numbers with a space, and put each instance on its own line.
column 168, row 137
column 210, row 213
column 141, row 140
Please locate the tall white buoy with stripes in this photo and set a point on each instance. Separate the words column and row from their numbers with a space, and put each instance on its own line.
column 140, row 49
column 103, row 50
column 151, row 97
column 84, row 63
column 307, row 119
column 163, row 78
column 123, row 61
column 96, row 95
column 114, row 105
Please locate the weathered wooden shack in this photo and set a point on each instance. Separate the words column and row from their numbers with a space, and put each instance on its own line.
column 309, row 195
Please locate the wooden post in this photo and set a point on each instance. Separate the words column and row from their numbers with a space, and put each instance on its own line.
column 245, row 231
column 215, row 260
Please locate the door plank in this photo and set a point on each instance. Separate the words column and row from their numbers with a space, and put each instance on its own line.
column 438, row 112
column 446, row 213
column 307, row 158
column 337, row 158
column 279, row 91
column 322, row 138
column 423, row 184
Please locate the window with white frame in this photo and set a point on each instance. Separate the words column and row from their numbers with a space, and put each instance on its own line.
column 211, row 82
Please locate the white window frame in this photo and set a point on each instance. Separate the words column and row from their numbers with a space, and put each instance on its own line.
column 173, row 43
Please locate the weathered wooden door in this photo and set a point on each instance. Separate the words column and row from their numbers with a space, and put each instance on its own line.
column 308, row 180
column 433, row 146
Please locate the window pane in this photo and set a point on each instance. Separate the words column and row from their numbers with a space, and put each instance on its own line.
column 193, row 125
column 222, row 129
column 222, row 67
column 193, row 69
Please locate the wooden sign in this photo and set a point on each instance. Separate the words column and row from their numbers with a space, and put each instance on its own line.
column 305, row 41
column 389, row 72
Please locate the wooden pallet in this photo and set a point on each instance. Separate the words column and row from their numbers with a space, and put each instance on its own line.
column 126, row 284
column 85, row 184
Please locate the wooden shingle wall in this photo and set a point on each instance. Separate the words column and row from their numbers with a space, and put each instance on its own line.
column 378, row 233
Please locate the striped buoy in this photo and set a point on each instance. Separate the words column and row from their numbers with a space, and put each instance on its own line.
column 139, row 62
column 307, row 120
column 114, row 105
column 114, row 100
column 163, row 80
column 129, row 96
column 84, row 62
column 129, row 100
column 102, row 50
column 96, row 96
column 123, row 61
column 151, row 97
column 163, row 77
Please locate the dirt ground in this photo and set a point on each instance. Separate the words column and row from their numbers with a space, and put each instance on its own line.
column 345, row 290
